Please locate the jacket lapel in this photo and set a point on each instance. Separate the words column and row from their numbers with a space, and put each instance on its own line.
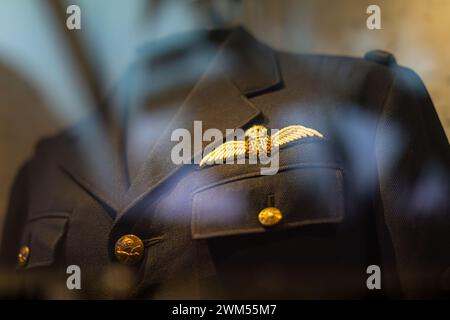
column 241, row 68
column 90, row 155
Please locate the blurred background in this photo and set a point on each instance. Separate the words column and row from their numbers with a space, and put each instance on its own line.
column 51, row 77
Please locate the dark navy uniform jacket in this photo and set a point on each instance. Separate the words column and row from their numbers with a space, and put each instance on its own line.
column 374, row 191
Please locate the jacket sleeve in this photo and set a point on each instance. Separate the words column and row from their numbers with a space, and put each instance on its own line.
column 413, row 159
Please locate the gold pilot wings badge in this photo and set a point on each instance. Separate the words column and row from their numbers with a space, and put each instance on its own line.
column 256, row 142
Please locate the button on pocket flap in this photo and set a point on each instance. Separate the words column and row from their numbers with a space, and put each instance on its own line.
column 295, row 196
column 42, row 237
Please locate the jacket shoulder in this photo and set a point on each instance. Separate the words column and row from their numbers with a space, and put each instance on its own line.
column 373, row 58
column 375, row 66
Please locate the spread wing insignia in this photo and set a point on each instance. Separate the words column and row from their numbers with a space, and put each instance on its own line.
column 257, row 141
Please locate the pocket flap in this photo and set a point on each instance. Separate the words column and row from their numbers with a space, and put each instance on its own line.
column 304, row 195
column 42, row 236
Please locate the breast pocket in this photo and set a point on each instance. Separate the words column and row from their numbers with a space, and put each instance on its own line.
column 42, row 237
column 298, row 195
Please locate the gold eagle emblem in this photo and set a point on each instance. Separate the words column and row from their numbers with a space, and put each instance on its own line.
column 258, row 141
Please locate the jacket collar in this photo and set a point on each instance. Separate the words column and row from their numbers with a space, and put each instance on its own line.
column 242, row 68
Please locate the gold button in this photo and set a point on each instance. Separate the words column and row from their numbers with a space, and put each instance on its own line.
column 129, row 249
column 270, row 216
column 22, row 257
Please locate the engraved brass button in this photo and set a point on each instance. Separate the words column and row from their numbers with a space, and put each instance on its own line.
column 129, row 249
column 22, row 257
column 270, row 216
